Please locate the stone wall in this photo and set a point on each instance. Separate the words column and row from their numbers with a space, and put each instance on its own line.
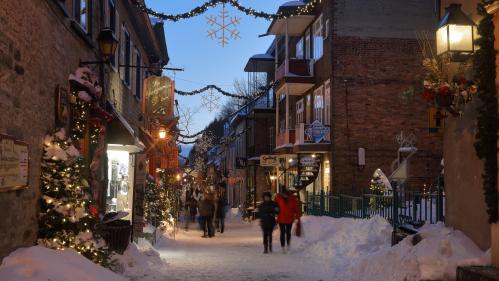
column 38, row 50
column 465, row 204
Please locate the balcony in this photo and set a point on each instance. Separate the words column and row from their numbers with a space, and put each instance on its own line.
column 313, row 137
column 297, row 79
column 285, row 139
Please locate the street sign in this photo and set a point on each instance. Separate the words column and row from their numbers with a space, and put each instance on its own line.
column 309, row 161
column 269, row 161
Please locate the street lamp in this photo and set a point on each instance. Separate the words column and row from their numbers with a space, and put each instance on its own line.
column 107, row 46
column 107, row 42
column 455, row 34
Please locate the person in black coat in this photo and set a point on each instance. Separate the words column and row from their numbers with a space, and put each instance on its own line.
column 267, row 212
column 220, row 214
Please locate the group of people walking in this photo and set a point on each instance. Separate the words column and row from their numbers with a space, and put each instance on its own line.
column 283, row 211
column 211, row 209
column 287, row 210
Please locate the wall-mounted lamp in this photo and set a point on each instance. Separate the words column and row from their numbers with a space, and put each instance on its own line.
column 361, row 158
column 456, row 34
column 162, row 133
column 107, row 46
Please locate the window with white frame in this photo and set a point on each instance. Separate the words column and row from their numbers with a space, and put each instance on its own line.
column 83, row 13
column 299, row 111
column 318, row 38
column 125, row 56
column 299, row 49
column 307, row 45
column 319, row 104
column 327, row 103
column 308, row 112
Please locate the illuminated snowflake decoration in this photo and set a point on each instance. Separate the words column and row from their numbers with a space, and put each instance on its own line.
column 223, row 27
column 210, row 101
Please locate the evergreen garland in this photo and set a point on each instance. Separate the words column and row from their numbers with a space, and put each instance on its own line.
column 486, row 144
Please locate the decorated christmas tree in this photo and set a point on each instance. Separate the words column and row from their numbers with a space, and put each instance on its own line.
column 66, row 219
column 162, row 204
column 377, row 187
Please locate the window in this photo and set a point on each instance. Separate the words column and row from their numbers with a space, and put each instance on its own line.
column 307, row 44
column 113, row 24
column 326, row 32
column 308, row 109
column 125, row 56
column 299, row 111
column 319, row 104
column 318, row 38
column 82, row 14
column 138, row 75
column 299, row 49
column 327, row 103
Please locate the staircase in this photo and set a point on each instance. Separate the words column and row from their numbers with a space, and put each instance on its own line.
column 307, row 173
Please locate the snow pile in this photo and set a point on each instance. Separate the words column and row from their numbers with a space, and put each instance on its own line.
column 354, row 249
column 234, row 215
column 436, row 257
column 338, row 243
column 39, row 263
column 138, row 261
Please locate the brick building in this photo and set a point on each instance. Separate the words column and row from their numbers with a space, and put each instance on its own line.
column 340, row 72
column 41, row 43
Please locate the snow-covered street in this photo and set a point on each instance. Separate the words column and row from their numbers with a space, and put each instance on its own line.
column 235, row 255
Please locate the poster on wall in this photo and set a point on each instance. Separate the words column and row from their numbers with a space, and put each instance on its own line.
column 14, row 163
column 158, row 96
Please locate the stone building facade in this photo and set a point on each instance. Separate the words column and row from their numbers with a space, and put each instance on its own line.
column 41, row 43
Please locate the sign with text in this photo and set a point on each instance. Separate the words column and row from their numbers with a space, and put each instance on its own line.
column 309, row 161
column 158, row 96
column 269, row 161
column 14, row 161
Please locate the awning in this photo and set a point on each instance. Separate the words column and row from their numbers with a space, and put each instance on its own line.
column 120, row 135
column 296, row 24
column 260, row 63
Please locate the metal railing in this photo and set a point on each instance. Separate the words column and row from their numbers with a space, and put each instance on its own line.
column 397, row 207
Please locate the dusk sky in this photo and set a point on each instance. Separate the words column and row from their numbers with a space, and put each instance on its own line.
column 205, row 61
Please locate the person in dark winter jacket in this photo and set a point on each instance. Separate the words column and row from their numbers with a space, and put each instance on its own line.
column 207, row 211
column 193, row 209
column 267, row 212
column 220, row 215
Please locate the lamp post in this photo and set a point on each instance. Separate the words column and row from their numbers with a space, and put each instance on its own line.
column 162, row 133
column 455, row 34
column 107, row 46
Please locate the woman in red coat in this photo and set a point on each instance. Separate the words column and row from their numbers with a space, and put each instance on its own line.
column 289, row 211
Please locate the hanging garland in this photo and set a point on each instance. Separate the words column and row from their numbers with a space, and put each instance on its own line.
column 486, row 146
column 225, row 93
column 235, row 3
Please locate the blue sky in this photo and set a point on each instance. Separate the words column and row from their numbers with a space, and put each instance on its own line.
column 204, row 60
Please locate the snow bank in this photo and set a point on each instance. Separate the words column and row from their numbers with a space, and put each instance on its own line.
column 139, row 260
column 353, row 249
column 39, row 263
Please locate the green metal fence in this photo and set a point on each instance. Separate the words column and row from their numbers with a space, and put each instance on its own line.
column 397, row 207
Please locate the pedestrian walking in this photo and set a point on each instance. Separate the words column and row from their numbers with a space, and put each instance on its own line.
column 267, row 212
column 220, row 213
column 288, row 213
column 193, row 209
column 207, row 211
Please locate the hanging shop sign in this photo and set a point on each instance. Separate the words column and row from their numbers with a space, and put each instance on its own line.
column 158, row 96
column 269, row 161
column 309, row 161
column 14, row 161
column 316, row 131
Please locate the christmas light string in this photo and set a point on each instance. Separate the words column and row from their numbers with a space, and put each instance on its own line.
column 209, row 87
column 307, row 8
